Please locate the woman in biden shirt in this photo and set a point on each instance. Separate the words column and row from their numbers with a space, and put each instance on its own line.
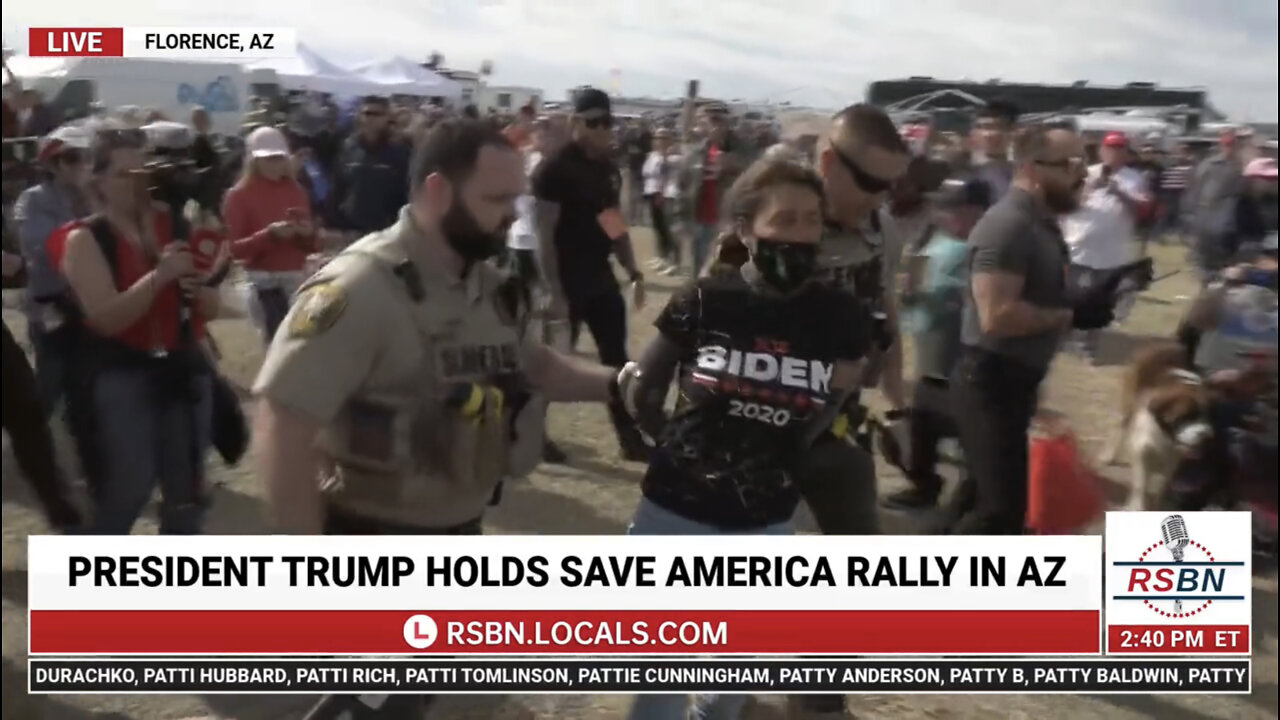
column 763, row 356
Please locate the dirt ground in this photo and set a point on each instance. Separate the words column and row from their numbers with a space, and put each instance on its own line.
column 596, row 493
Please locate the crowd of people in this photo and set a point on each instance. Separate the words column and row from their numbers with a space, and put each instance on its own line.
column 408, row 277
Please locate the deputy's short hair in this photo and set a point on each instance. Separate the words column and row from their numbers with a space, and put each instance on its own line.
column 867, row 125
column 452, row 148
column 1033, row 143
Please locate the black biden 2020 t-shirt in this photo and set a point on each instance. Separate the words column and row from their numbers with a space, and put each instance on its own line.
column 755, row 368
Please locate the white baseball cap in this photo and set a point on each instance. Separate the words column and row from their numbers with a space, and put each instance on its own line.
column 267, row 142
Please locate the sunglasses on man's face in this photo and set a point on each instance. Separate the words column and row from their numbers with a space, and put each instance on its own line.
column 373, row 113
column 598, row 122
column 869, row 183
column 1074, row 163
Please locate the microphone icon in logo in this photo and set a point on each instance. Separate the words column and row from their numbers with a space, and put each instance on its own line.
column 1174, row 530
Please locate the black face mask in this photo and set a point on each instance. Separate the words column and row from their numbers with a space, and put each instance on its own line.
column 786, row 266
column 472, row 242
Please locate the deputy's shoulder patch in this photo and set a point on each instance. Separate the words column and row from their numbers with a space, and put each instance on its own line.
column 316, row 309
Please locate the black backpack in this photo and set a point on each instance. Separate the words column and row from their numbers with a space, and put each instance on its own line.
column 91, row 352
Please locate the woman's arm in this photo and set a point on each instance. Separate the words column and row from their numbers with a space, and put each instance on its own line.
column 247, row 242
column 106, row 309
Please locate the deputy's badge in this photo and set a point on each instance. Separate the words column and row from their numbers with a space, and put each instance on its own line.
column 316, row 310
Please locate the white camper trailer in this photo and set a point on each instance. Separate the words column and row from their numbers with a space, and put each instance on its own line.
column 1137, row 127
column 72, row 85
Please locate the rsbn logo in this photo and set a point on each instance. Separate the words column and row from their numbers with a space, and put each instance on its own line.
column 1177, row 576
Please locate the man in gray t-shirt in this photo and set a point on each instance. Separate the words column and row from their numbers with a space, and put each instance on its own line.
column 1018, row 239
column 1016, row 312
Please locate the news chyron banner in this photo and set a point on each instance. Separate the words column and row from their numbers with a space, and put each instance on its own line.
column 624, row 614
column 1179, row 583
column 166, row 43
column 564, row 595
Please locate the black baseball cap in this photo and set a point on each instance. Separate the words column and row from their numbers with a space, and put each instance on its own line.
column 592, row 100
column 956, row 193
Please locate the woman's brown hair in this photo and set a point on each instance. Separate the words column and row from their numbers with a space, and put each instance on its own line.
column 745, row 199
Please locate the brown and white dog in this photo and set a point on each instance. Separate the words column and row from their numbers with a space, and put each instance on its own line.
column 1164, row 417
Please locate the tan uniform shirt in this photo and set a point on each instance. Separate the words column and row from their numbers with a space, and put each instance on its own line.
column 864, row 262
column 422, row 399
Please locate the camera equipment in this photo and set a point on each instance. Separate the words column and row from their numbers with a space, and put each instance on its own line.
column 20, row 168
column 174, row 178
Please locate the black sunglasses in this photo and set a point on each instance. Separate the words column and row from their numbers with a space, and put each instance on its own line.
column 1071, row 163
column 869, row 183
column 595, row 123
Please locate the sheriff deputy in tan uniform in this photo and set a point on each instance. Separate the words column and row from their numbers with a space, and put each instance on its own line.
column 404, row 369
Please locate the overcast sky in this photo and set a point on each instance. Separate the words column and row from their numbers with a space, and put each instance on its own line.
column 818, row 52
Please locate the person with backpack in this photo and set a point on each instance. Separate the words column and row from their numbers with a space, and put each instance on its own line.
column 142, row 400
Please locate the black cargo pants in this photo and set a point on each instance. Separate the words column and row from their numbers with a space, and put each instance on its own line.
column 838, row 480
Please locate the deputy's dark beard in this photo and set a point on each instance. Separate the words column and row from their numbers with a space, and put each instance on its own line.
column 472, row 242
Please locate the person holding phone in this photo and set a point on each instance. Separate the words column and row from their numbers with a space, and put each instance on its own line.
column 1102, row 232
column 268, row 218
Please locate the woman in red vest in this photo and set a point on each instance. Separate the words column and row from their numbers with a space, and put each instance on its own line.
column 143, row 303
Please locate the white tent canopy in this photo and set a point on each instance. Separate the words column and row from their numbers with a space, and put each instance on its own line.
column 309, row 71
column 401, row 73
